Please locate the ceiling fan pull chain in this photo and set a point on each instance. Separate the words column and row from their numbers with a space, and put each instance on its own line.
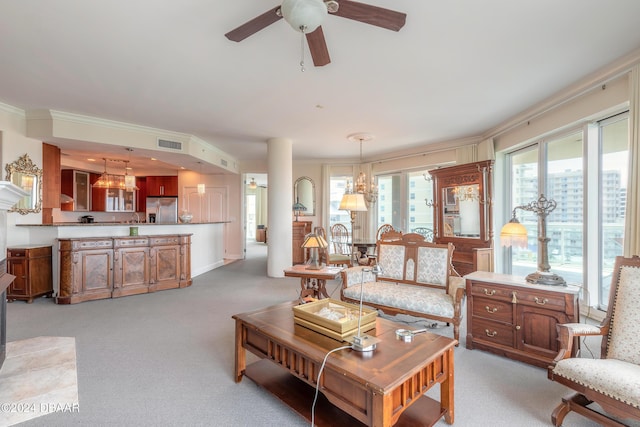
column 302, row 28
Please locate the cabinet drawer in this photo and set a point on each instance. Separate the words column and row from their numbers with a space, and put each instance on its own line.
column 159, row 241
column 16, row 253
column 539, row 299
column 492, row 309
column 92, row 244
column 488, row 290
column 495, row 332
column 128, row 242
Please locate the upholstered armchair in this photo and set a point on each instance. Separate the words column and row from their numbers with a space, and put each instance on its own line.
column 613, row 380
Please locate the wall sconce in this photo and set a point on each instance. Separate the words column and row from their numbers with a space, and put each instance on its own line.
column 429, row 202
column 314, row 242
column 515, row 234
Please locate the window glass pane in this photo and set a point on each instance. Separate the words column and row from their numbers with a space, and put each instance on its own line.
column 337, row 185
column 389, row 203
column 565, row 185
column 613, row 184
column 420, row 191
column 524, row 190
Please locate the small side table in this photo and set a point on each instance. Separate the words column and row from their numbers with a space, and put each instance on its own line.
column 313, row 282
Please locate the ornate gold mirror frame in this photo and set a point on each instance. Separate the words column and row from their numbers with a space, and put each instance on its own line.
column 26, row 175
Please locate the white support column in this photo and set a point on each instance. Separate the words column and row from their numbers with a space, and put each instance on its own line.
column 280, row 170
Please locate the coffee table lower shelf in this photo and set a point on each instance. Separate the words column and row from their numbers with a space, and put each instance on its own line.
column 298, row 395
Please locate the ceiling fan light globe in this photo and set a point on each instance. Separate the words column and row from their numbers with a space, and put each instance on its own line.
column 304, row 15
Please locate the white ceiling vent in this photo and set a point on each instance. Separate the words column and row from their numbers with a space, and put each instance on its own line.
column 172, row 145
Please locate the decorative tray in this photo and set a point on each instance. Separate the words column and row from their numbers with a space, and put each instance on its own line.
column 334, row 318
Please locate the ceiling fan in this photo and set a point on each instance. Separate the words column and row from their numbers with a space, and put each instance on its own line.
column 307, row 15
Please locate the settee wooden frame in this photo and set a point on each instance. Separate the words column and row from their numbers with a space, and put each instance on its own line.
column 455, row 285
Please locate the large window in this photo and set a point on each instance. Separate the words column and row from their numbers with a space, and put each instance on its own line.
column 585, row 172
column 403, row 200
column 337, row 185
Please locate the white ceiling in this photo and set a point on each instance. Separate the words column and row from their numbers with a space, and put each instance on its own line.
column 457, row 68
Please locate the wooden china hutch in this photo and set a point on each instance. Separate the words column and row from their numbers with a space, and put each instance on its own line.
column 463, row 214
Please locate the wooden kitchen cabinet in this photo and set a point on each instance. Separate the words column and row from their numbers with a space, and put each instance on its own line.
column 77, row 185
column 300, row 230
column 512, row 318
column 86, row 269
column 463, row 214
column 165, row 263
column 33, row 270
column 131, row 266
column 109, row 267
column 162, row 186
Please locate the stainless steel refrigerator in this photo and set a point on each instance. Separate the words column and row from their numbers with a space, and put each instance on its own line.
column 162, row 210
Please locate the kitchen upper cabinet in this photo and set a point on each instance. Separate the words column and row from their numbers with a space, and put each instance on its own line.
column 113, row 200
column 77, row 185
column 162, row 185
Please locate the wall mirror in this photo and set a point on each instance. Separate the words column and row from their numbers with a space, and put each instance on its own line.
column 26, row 175
column 461, row 211
column 304, row 191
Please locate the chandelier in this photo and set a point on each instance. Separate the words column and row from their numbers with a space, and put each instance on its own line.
column 119, row 182
column 369, row 190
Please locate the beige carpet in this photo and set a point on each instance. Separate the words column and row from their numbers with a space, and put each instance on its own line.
column 38, row 377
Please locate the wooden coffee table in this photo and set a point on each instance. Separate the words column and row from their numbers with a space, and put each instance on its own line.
column 380, row 388
column 313, row 282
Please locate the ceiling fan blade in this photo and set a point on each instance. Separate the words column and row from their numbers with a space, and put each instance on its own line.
column 318, row 47
column 374, row 15
column 253, row 26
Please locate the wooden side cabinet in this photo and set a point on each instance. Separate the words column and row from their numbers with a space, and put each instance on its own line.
column 463, row 214
column 110, row 267
column 86, row 269
column 512, row 318
column 300, row 229
column 32, row 267
column 131, row 266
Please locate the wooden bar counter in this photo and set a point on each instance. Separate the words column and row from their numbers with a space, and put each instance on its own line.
column 109, row 267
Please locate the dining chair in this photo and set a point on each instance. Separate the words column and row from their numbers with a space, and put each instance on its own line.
column 425, row 232
column 341, row 244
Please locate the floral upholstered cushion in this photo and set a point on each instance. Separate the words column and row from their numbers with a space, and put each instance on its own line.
column 614, row 378
column 433, row 265
column 406, row 297
column 391, row 259
column 624, row 341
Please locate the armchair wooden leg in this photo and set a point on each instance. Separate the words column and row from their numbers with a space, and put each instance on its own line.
column 558, row 414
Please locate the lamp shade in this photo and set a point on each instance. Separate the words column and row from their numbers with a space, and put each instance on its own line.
column 513, row 234
column 314, row 241
column 201, row 189
column 304, row 15
column 353, row 202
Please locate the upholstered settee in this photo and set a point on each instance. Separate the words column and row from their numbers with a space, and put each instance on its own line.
column 417, row 279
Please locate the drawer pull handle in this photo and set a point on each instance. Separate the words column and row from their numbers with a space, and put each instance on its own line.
column 490, row 310
column 490, row 334
column 541, row 301
column 486, row 292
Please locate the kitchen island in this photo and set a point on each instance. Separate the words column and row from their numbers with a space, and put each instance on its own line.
column 206, row 239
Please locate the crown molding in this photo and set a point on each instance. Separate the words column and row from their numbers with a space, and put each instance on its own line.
column 595, row 80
